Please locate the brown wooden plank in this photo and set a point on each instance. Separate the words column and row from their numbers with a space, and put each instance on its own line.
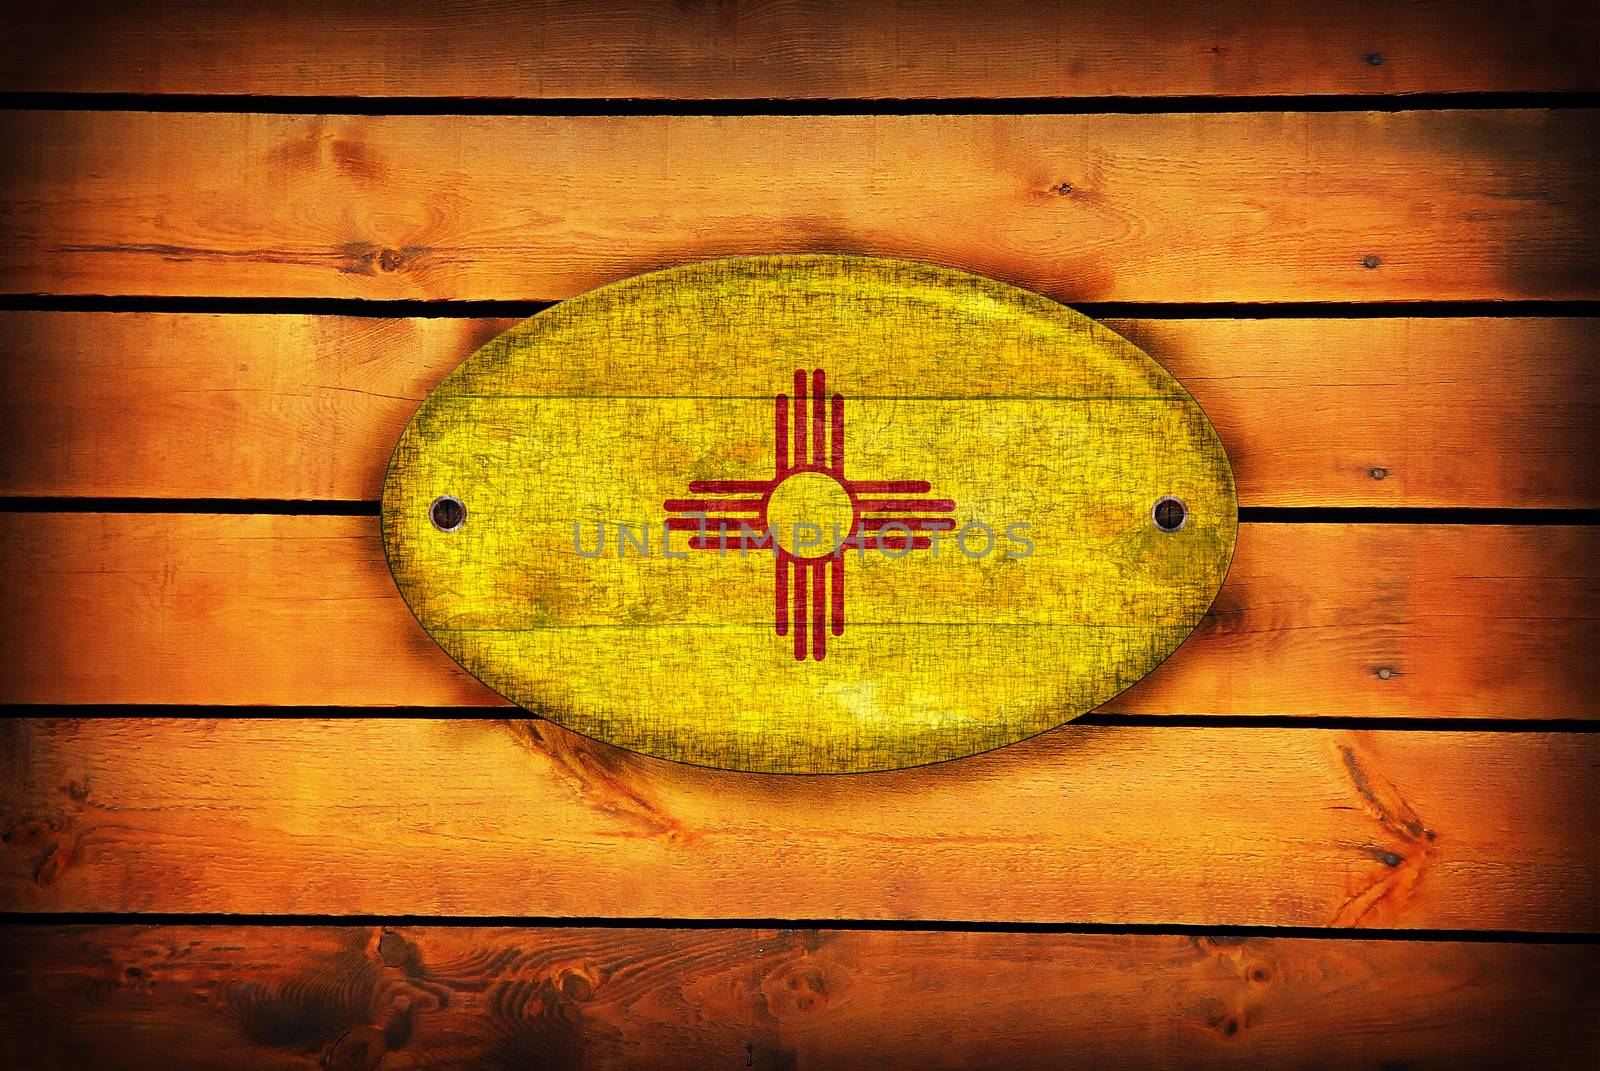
column 215, row 406
column 169, row 997
column 1353, row 206
column 1123, row 825
column 799, row 48
column 1329, row 619
column 1395, row 412
column 1454, row 412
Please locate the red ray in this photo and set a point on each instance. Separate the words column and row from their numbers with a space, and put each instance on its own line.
column 895, row 542
column 932, row 505
column 837, row 567
column 781, row 584
column 818, row 417
column 714, row 524
column 760, row 542
column 888, row 487
column 836, row 462
column 730, row 487
column 712, row 505
column 799, row 612
column 780, row 438
column 819, row 621
column 916, row 524
column 799, row 417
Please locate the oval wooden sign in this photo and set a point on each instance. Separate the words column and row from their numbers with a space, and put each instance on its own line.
column 809, row 514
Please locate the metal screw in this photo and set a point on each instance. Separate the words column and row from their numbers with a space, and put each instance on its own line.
column 1379, row 474
column 447, row 513
column 1169, row 513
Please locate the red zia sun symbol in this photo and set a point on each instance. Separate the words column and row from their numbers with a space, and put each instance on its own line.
column 808, row 513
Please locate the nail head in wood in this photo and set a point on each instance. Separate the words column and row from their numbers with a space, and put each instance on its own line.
column 447, row 513
column 1169, row 513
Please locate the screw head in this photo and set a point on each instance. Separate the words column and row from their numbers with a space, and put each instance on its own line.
column 447, row 513
column 1169, row 513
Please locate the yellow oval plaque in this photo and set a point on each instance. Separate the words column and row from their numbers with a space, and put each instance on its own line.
column 809, row 514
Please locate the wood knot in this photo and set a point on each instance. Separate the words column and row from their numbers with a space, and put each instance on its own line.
column 576, row 986
column 48, row 868
column 1063, row 188
column 26, row 834
column 393, row 949
column 359, row 1049
column 1379, row 473
column 1370, row 261
column 1374, row 59
column 391, row 260
column 806, row 990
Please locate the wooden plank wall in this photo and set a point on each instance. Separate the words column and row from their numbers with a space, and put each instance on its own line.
column 252, row 817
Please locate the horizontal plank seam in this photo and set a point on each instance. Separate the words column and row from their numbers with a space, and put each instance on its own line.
column 1457, row 515
column 1322, row 722
column 104, row 918
column 275, row 507
column 1482, row 515
column 1342, row 722
column 449, row 308
column 279, row 104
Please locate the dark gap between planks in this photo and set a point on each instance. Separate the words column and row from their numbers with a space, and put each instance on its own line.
column 111, row 918
column 500, row 308
column 766, row 106
column 1326, row 722
column 1504, row 515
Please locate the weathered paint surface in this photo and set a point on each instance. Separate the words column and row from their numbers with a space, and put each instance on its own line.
column 980, row 466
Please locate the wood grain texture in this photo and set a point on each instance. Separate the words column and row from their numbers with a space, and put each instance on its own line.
column 1168, row 207
column 1115, row 825
column 1313, row 619
column 215, row 406
column 175, row 997
column 1456, row 412
column 799, row 48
